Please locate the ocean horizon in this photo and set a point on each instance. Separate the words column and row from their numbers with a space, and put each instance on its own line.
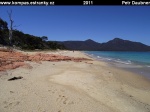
column 138, row 62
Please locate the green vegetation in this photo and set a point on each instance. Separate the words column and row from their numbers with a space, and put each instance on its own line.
column 26, row 41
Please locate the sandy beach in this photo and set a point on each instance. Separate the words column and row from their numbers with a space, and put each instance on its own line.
column 68, row 86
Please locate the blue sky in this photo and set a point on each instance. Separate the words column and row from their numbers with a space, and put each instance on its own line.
column 100, row 23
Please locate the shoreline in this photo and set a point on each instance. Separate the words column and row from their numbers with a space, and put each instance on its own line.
column 115, row 68
column 134, row 68
column 87, row 86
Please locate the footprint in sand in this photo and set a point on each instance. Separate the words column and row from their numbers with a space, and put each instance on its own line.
column 62, row 99
column 53, row 91
column 7, row 104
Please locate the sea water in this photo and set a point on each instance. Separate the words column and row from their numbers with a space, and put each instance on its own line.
column 138, row 62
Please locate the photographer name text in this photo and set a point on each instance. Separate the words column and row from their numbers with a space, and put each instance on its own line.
column 135, row 2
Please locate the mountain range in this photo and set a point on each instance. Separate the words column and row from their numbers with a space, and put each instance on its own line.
column 116, row 44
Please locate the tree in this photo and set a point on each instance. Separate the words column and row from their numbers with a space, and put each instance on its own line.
column 44, row 38
column 3, row 25
column 11, row 26
column 3, row 32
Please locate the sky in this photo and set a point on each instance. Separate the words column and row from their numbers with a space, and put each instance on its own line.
column 99, row 23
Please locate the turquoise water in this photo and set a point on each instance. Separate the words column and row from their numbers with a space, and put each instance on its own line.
column 138, row 62
column 140, row 58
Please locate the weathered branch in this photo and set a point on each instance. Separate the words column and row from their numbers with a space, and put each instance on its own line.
column 11, row 26
column 17, row 25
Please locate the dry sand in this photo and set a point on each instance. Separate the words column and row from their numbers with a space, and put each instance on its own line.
column 87, row 86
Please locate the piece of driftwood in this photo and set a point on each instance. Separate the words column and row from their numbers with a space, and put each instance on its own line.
column 15, row 78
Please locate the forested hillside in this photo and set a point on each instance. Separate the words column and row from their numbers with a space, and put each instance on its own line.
column 25, row 41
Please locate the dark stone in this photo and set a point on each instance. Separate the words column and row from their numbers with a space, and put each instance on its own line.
column 15, row 78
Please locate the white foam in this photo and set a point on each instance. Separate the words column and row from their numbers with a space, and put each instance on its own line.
column 129, row 61
column 108, row 59
column 99, row 57
column 122, row 62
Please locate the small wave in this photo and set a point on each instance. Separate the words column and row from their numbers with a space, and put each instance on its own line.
column 122, row 62
column 102, row 58
column 99, row 57
column 129, row 61
column 109, row 59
